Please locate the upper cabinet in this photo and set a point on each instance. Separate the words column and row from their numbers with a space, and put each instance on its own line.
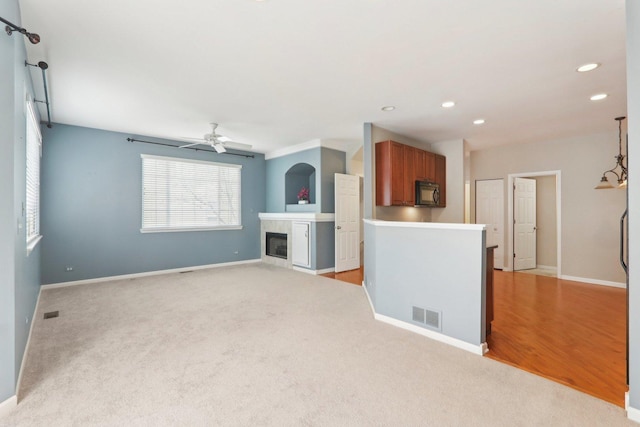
column 440, row 173
column 399, row 166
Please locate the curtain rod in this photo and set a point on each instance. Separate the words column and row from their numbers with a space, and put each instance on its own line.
column 190, row 148
column 43, row 66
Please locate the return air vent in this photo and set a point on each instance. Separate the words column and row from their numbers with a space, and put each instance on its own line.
column 430, row 318
column 51, row 314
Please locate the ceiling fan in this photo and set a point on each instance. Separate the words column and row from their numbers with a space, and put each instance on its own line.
column 218, row 142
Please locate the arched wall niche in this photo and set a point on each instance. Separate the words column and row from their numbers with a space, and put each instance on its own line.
column 298, row 176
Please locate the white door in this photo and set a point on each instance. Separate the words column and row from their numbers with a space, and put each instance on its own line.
column 300, row 246
column 347, row 228
column 524, row 223
column 490, row 211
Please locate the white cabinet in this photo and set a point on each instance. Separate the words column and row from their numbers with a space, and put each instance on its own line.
column 301, row 244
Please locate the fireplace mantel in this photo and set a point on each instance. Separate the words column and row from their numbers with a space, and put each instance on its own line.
column 297, row 216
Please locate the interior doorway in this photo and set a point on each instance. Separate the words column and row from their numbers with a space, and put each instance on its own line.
column 534, row 244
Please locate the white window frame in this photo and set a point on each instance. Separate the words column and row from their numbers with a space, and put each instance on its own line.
column 33, row 146
column 148, row 227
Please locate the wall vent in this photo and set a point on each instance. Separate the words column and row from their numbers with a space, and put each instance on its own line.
column 428, row 317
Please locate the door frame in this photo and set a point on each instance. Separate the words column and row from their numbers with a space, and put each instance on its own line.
column 509, row 230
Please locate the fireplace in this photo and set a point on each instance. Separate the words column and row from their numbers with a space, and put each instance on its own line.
column 276, row 245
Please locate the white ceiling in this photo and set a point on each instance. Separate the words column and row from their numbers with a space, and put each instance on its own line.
column 276, row 73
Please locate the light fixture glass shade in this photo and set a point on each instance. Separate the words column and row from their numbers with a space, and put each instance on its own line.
column 604, row 184
column 623, row 184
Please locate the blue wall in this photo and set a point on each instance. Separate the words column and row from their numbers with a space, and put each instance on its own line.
column 92, row 208
column 326, row 162
column 19, row 273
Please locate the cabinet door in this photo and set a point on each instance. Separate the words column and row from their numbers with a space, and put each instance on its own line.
column 430, row 166
column 300, row 244
column 441, row 178
column 397, row 177
column 409, row 176
column 420, row 163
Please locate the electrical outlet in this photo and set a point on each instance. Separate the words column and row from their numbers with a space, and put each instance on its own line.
column 26, row 319
column 236, row 252
column 68, row 269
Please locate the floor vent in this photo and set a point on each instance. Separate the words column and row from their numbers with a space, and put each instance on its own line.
column 427, row 317
column 51, row 314
column 188, row 271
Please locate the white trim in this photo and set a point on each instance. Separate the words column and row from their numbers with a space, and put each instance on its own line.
column 485, row 348
column 145, row 274
column 545, row 267
column 366, row 292
column 435, row 225
column 8, row 405
column 632, row 413
column 594, row 281
column 475, row 349
column 26, row 347
column 314, row 272
column 181, row 229
column 297, row 216
column 509, row 228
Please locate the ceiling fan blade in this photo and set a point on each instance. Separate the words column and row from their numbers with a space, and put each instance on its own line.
column 191, row 145
column 219, row 148
column 236, row 145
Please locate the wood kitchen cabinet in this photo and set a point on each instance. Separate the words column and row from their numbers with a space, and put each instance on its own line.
column 441, row 178
column 399, row 166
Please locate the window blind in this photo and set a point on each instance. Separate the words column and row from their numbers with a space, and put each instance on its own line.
column 33, row 153
column 181, row 194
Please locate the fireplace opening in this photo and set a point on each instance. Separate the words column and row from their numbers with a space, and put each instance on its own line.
column 276, row 245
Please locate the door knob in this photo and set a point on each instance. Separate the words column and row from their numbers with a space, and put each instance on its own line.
column 338, row 228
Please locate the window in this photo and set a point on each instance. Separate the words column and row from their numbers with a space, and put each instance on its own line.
column 189, row 195
column 34, row 151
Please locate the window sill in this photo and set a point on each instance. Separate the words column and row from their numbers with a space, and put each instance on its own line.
column 31, row 244
column 181, row 229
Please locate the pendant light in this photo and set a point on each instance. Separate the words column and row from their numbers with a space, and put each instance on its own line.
column 619, row 170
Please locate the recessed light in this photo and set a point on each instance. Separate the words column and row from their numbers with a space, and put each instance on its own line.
column 388, row 108
column 587, row 67
column 599, row 97
column 478, row 122
column 448, row 104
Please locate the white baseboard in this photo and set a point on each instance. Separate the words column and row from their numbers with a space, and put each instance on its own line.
column 475, row 349
column 366, row 292
column 632, row 413
column 26, row 347
column 146, row 274
column 594, row 281
column 546, row 267
column 314, row 272
column 8, row 405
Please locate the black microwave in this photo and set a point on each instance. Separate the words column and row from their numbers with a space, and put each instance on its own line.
column 427, row 193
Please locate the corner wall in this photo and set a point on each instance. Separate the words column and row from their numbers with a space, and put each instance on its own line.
column 326, row 161
column 19, row 273
column 92, row 209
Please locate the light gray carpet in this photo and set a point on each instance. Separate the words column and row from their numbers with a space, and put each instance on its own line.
column 260, row 345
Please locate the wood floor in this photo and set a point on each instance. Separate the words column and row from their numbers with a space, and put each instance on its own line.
column 569, row 332
column 351, row 276
column 573, row 333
